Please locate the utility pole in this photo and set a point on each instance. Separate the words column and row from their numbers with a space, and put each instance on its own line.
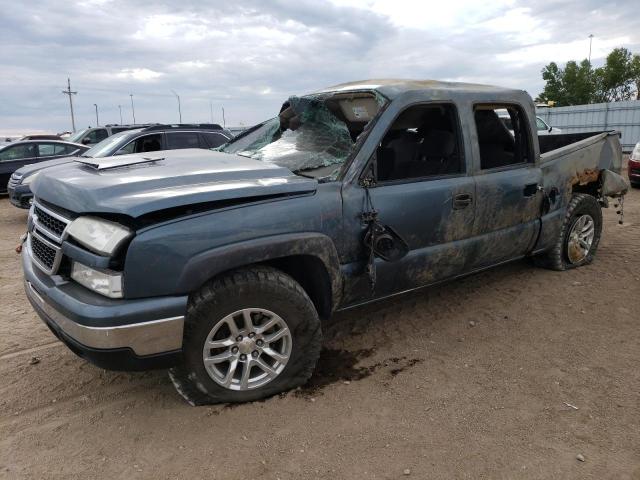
column 224, row 123
column 590, row 42
column 133, row 110
column 120, row 108
column 211, row 110
column 69, row 92
column 97, row 121
column 179, row 109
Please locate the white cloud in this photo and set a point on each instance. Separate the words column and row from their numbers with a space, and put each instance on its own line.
column 249, row 55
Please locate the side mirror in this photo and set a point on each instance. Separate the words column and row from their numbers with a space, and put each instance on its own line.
column 550, row 128
column 86, row 141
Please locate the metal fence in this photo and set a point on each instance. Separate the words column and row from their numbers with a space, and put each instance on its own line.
column 621, row 116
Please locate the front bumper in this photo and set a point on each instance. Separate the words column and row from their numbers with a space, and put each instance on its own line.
column 634, row 172
column 139, row 334
column 19, row 195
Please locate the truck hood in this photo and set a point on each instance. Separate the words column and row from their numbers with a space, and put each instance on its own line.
column 137, row 184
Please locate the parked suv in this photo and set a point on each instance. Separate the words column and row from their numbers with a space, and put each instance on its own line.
column 139, row 140
column 18, row 154
column 94, row 135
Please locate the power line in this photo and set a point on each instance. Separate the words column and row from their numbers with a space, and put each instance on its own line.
column 69, row 92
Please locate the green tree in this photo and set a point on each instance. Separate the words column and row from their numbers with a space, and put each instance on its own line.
column 572, row 85
column 578, row 83
column 616, row 81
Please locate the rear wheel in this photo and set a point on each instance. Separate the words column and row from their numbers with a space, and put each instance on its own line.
column 579, row 236
column 248, row 335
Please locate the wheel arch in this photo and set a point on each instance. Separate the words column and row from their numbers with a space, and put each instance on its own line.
column 309, row 258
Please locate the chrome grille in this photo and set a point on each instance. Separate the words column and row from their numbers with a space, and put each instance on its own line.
column 46, row 233
column 49, row 222
column 45, row 254
column 14, row 181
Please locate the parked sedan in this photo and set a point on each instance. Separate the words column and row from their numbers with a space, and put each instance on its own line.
column 634, row 167
column 18, row 154
column 139, row 140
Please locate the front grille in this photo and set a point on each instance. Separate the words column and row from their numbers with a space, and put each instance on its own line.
column 13, row 183
column 43, row 253
column 46, row 234
column 49, row 222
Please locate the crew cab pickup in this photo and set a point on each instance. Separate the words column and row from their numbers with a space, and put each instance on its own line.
column 220, row 265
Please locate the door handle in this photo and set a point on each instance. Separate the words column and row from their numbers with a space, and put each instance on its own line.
column 530, row 189
column 462, row 200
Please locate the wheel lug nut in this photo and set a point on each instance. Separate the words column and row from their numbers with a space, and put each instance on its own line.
column 251, row 335
column 259, row 343
column 254, row 354
column 234, row 350
column 243, row 357
column 239, row 338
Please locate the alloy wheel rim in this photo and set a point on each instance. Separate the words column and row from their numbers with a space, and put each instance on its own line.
column 247, row 349
column 580, row 238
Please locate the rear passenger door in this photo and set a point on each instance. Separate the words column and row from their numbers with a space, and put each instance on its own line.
column 13, row 157
column 507, row 177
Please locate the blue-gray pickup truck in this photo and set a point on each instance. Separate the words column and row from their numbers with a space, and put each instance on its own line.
column 221, row 265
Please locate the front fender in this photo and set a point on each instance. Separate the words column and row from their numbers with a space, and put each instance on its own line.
column 207, row 265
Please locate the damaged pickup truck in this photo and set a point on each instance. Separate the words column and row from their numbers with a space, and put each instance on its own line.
column 221, row 264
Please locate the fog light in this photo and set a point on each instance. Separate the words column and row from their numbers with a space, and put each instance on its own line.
column 104, row 282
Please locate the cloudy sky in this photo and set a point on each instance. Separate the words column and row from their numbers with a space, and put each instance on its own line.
column 249, row 55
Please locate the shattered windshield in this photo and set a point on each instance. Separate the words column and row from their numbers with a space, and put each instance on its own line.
column 305, row 137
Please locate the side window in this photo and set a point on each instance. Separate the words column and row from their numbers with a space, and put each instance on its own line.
column 422, row 142
column 18, row 152
column 147, row 143
column 541, row 125
column 46, row 149
column 67, row 149
column 178, row 140
column 98, row 135
column 213, row 140
column 498, row 145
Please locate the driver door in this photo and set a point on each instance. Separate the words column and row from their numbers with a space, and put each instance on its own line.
column 422, row 193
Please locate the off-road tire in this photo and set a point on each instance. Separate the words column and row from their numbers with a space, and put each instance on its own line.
column 556, row 257
column 262, row 287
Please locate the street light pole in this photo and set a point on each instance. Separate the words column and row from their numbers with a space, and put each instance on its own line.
column 179, row 109
column 69, row 92
column 120, row 108
column 133, row 110
column 211, row 110
column 590, row 42
column 224, row 123
column 97, row 121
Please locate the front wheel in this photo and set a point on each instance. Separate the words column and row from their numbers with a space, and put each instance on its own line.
column 248, row 335
column 579, row 236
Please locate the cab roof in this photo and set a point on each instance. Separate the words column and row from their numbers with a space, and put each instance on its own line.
column 393, row 87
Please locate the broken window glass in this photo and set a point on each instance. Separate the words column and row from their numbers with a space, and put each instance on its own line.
column 306, row 136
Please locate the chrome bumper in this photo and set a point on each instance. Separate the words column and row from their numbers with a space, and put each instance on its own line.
column 145, row 338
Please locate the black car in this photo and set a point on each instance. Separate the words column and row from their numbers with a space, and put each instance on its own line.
column 149, row 139
column 18, row 154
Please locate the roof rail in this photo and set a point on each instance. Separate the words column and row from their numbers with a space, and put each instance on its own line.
column 132, row 125
column 185, row 126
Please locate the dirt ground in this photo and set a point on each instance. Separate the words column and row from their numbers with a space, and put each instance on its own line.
column 468, row 380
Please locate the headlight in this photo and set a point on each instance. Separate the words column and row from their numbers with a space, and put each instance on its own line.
column 29, row 179
column 101, row 236
column 104, row 282
column 635, row 155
